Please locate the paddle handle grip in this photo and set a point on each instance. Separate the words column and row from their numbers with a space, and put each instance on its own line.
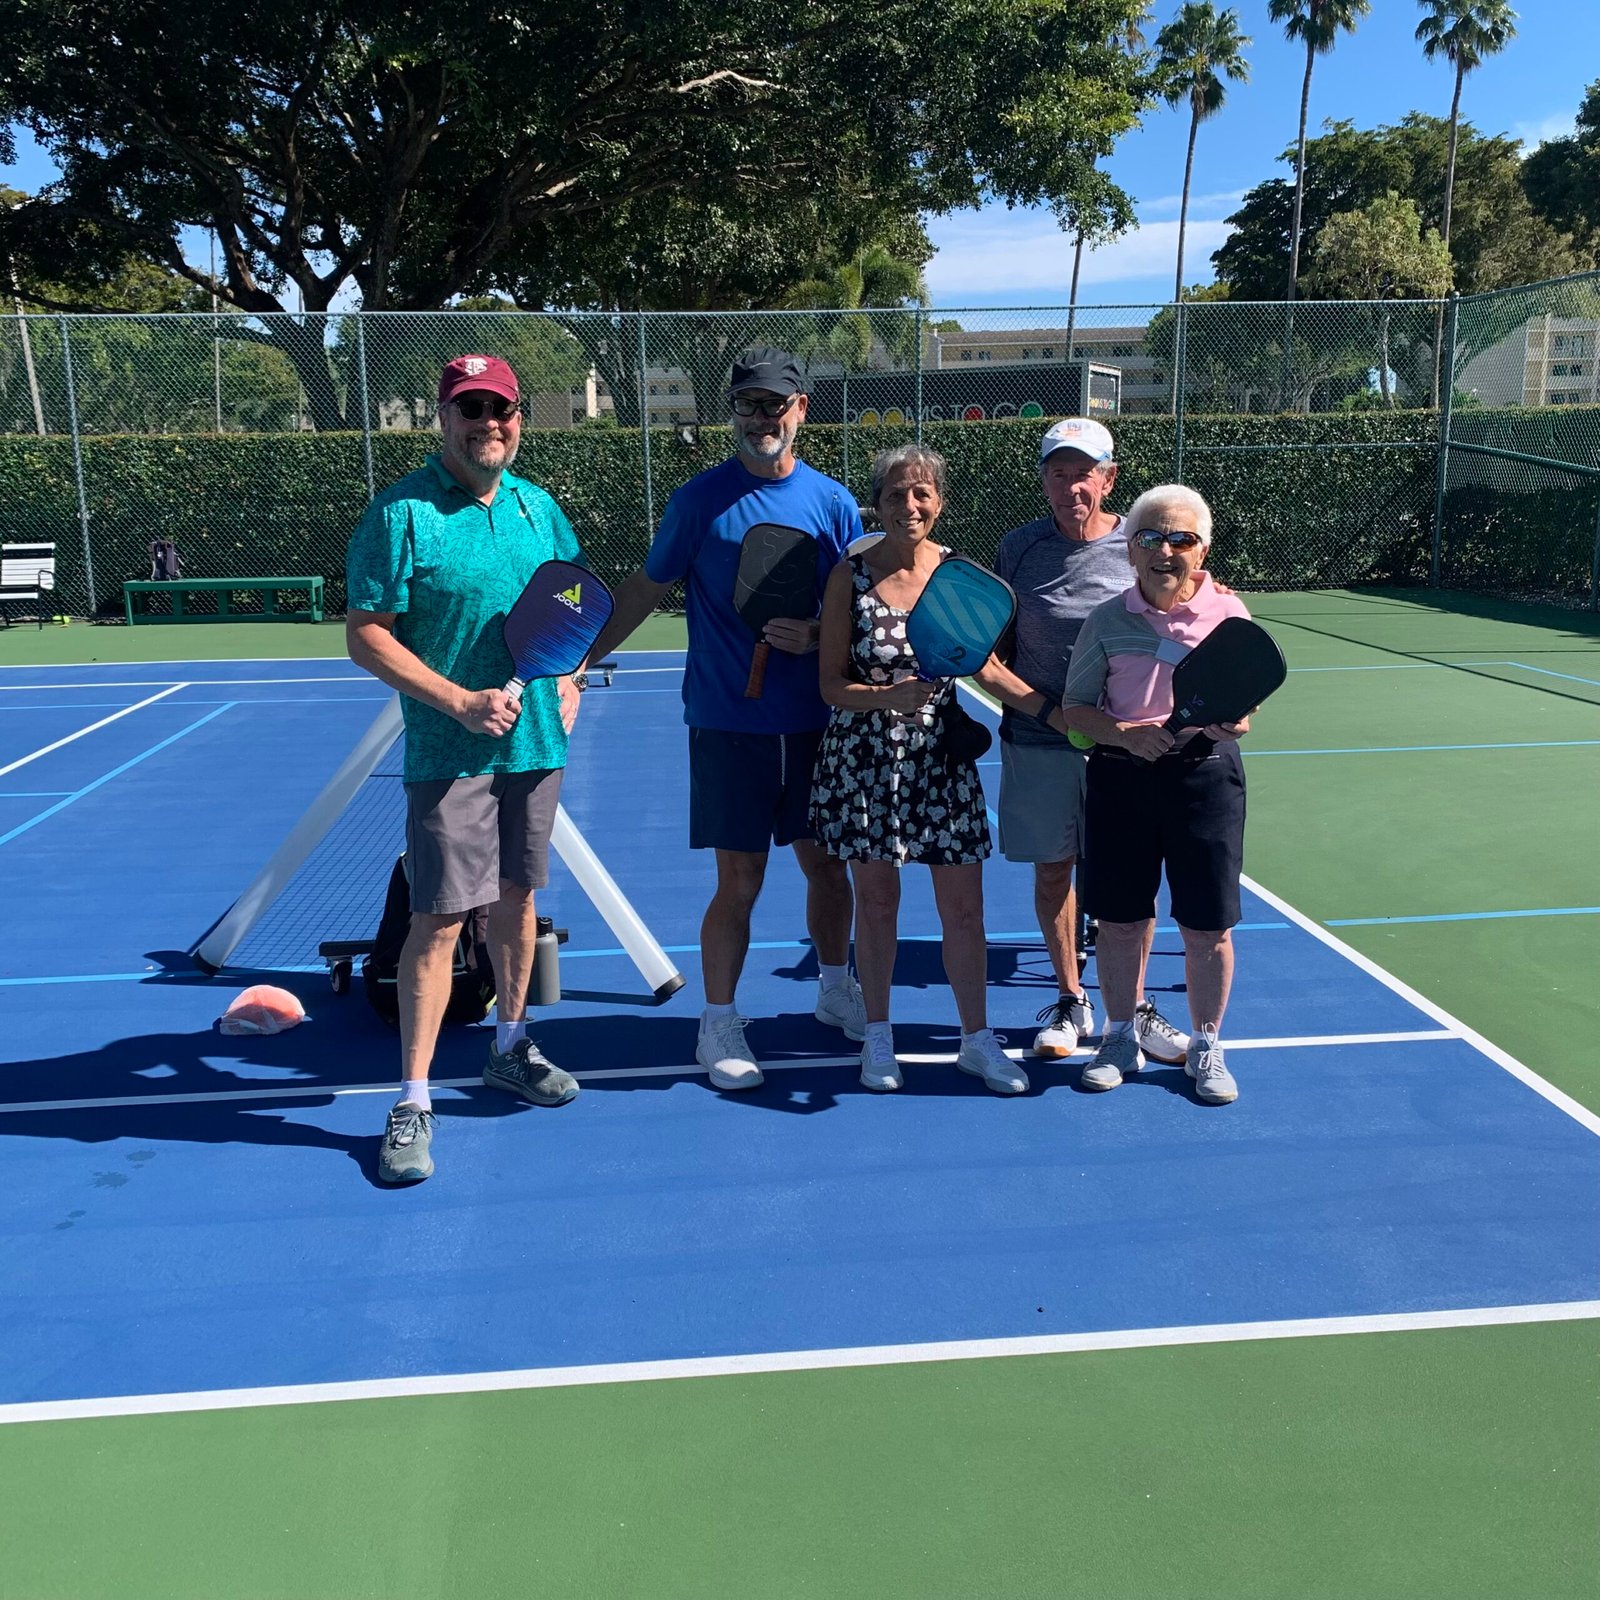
column 758, row 671
column 515, row 687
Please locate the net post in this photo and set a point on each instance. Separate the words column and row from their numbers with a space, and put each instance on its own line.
column 1445, row 414
column 77, row 463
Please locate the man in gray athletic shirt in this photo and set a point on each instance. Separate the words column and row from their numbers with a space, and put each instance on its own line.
column 1062, row 566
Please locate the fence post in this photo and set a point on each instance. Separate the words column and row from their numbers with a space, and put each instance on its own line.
column 918, row 315
column 1180, row 354
column 844, row 421
column 77, row 464
column 366, row 406
column 1594, row 566
column 644, row 433
column 1445, row 412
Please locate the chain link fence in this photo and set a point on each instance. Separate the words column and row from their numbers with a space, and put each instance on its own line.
column 254, row 443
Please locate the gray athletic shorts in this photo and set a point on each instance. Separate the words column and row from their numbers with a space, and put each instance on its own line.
column 1041, row 802
column 463, row 835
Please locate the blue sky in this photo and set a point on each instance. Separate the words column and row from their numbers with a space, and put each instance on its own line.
column 997, row 257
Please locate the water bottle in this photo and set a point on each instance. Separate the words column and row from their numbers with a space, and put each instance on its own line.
column 546, row 985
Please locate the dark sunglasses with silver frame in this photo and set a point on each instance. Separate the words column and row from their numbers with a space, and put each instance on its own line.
column 1154, row 538
column 473, row 407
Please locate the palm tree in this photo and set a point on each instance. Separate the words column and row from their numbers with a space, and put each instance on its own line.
column 1317, row 24
column 1198, row 49
column 865, row 296
column 1463, row 32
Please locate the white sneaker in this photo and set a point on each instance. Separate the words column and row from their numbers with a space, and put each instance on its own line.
column 841, row 1006
column 880, row 1070
column 726, row 1056
column 982, row 1056
column 1157, row 1037
column 1067, row 1022
column 1213, row 1083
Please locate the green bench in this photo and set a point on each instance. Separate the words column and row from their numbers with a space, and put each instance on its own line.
column 270, row 589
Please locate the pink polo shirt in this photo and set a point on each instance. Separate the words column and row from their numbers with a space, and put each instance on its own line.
column 1139, row 683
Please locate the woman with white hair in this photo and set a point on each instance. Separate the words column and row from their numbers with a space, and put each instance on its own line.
column 1153, row 803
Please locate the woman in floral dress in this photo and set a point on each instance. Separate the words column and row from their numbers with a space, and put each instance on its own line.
column 885, row 792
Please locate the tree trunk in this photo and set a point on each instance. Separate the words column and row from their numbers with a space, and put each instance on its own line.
column 1299, row 176
column 1450, row 159
column 1183, row 209
column 1072, row 299
column 301, row 341
column 1383, row 362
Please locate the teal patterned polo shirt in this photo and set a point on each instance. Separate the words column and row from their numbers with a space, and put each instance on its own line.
column 450, row 568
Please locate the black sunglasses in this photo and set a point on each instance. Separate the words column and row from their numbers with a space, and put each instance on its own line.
column 501, row 410
column 743, row 406
column 1153, row 539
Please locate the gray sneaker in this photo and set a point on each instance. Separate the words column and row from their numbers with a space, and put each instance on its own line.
column 522, row 1070
column 403, row 1156
column 1113, row 1061
column 1213, row 1083
column 1157, row 1037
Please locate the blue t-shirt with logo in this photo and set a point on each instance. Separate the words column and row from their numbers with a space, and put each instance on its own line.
column 698, row 541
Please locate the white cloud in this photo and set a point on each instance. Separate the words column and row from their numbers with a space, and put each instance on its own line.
column 1558, row 125
column 1025, row 255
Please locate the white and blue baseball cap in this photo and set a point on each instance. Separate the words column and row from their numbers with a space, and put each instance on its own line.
column 1083, row 434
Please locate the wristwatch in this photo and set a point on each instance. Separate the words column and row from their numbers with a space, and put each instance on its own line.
column 1050, row 704
column 580, row 681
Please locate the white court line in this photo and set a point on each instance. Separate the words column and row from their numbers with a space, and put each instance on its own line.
column 22, row 761
column 608, row 1074
column 889, row 1355
column 1580, row 1114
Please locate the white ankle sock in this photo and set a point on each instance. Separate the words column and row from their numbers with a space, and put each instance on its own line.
column 1113, row 1029
column 414, row 1091
column 506, row 1034
column 831, row 977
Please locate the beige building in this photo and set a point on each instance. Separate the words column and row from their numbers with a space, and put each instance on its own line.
column 1146, row 387
column 1549, row 361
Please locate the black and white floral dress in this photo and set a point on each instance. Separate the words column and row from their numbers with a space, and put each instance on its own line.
column 883, row 789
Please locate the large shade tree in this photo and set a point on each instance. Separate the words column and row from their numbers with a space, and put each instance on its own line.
column 408, row 151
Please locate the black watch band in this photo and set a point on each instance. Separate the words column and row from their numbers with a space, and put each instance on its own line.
column 1043, row 715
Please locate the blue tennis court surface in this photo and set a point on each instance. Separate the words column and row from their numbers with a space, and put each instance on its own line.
column 189, row 1212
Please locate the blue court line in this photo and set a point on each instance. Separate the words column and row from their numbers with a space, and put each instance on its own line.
column 79, row 705
column 116, row 772
column 32, row 794
column 1465, row 916
column 1415, row 749
column 1028, row 936
column 1522, row 666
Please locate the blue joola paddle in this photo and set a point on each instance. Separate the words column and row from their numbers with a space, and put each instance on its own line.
column 962, row 615
column 555, row 620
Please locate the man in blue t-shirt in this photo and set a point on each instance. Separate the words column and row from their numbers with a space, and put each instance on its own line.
column 433, row 566
column 750, row 760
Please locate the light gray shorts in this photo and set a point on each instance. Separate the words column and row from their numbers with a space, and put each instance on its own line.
column 463, row 835
column 1041, row 802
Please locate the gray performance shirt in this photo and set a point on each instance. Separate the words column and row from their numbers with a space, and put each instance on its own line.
column 1059, row 581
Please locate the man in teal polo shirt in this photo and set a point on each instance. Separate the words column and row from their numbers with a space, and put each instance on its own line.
column 433, row 566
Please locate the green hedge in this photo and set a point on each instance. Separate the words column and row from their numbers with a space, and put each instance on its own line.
column 1287, row 515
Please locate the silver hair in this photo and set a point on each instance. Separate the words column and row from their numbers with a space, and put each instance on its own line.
column 929, row 462
column 1165, row 496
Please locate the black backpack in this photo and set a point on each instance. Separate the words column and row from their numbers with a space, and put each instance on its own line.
column 471, row 979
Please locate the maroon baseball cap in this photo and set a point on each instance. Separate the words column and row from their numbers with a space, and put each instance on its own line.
column 478, row 372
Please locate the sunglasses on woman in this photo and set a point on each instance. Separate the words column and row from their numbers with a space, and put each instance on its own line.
column 473, row 407
column 744, row 406
column 1153, row 539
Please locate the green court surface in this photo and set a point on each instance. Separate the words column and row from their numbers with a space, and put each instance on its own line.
column 1444, row 1464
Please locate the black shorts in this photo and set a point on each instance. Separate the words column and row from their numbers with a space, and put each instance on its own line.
column 1177, row 813
column 750, row 791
